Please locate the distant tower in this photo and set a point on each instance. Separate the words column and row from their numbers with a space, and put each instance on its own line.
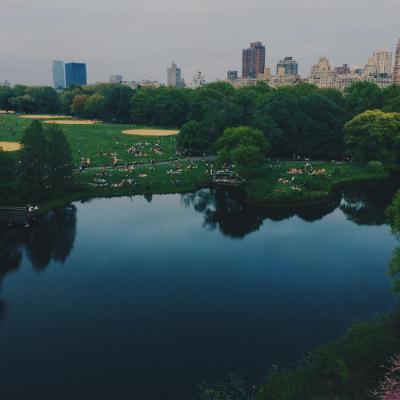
column 290, row 67
column 396, row 70
column 232, row 75
column 174, row 76
column 58, row 74
column 75, row 74
column 253, row 60
column 116, row 78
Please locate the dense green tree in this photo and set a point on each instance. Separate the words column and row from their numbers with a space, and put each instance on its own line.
column 60, row 166
column 24, row 104
column 321, row 128
column 374, row 135
column 94, row 106
column 7, row 166
column 278, row 117
column 6, row 93
column 117, row 104
column 33, row 158
column 192, row 138
column 78, row 106
column 391, row 99
column 45, row 98
column 245, row 147
column 363, row 96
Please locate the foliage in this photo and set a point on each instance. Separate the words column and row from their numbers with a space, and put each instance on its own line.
column 245, row 147
column 338, row 171
column 45, row 160
column 376, row 166
column 192, row 138
column 234, row 388
column 347, row 369
column 363, row 96
column 7, row 166
column 374, row 135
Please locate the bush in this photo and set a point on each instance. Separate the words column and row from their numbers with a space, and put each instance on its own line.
column 338, row 171
column 376, row 166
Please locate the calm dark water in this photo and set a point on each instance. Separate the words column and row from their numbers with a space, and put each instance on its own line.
column 135, row 298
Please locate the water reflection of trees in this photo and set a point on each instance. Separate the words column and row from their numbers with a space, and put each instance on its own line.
column 231, row 212
column 51, row 239
column 365, row 203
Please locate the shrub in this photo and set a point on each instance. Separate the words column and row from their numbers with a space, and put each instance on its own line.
column 338, row 171
column 376, row 166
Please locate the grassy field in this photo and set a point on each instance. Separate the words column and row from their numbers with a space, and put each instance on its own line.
column 275, row 185
column 98, row 142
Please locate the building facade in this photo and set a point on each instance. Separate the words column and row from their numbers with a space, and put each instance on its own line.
column 232, row 75
column 116, row 78
column 342, row 70
column 253, row 60
column 396, row 69
column 58, row 75
column 174, row 76
column 75, row 74
column 198, row 80
column 380, row 63
column 287, row 66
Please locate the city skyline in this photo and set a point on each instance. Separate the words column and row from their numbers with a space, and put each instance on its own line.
column 134, row 47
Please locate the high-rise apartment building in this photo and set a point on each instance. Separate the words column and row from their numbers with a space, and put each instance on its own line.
column 75, row 74
column 253, row 60
column 174, row 76
column 58, row 74
column 287, row 66
column 380, row 63
column 396, row 69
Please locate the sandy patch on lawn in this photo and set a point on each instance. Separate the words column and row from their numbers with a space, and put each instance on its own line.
column 10, row 146
column 41, row 116
column 150, row 132
column 71, row 122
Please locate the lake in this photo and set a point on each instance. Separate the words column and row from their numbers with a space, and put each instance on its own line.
column 146, row 297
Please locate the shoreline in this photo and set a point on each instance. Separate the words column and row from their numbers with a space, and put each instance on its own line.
column 88, row 194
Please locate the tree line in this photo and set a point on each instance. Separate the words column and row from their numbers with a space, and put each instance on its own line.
column 299, row 120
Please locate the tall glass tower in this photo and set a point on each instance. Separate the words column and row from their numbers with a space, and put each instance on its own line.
column 58, row 74
column 75, row 74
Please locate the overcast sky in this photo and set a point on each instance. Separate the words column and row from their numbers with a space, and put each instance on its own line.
column 140, row 38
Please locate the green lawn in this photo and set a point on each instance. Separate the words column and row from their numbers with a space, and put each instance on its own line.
column 97, row 142
column 268, row 188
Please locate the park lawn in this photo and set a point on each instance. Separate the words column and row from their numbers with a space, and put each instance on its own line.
column 156, row 181
column 97, row 142
column 267, row 189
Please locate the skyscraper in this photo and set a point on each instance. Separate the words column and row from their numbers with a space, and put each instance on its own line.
column 253, row 60
column 174, row 76
column 58, row 74
column 75, row 74
column 396, row 70
column 289, row 65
